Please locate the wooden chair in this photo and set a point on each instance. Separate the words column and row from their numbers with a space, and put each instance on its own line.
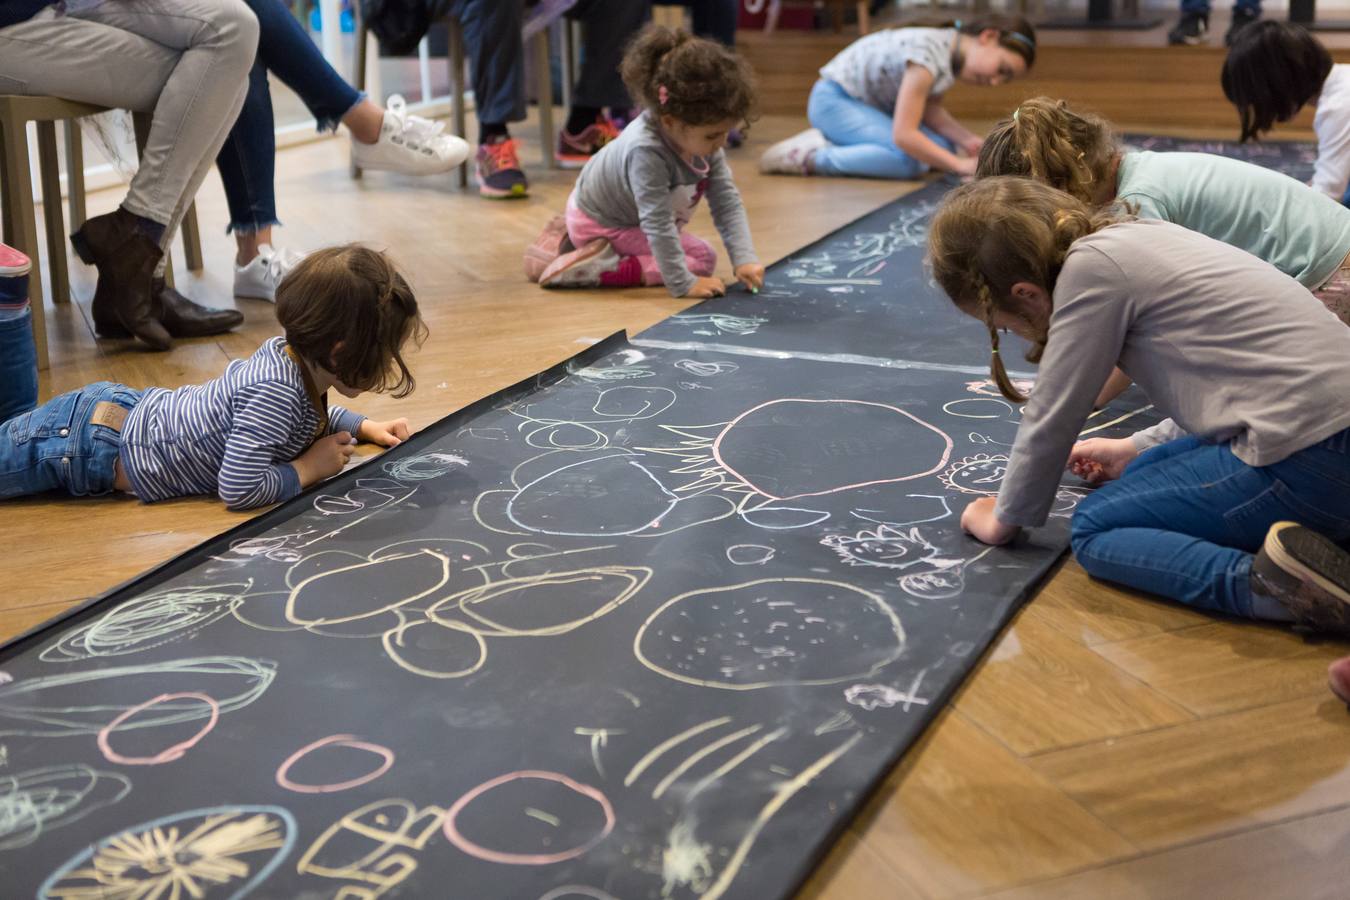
column 538, row 45
column 16, row 186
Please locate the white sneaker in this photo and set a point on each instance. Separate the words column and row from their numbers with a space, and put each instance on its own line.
column 793, row 156
column 582, row 267
column 258, row 279
column 410, row 144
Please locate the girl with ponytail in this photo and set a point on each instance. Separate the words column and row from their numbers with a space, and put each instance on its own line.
column 624, row 224
column 877, row 110
column 1262, row 398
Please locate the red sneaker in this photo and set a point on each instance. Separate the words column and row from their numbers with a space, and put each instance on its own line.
column 575, row 149
column 498, row 170
column 552, row 243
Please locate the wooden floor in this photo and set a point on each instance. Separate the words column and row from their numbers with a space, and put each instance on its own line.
column 1108, row 746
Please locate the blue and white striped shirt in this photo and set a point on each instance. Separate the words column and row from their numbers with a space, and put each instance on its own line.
column 234, row 436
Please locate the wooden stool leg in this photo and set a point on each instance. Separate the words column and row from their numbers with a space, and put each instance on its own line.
column 570, row 41
column 543, row 86
column 49, row 167
column 6, row 214
column 359, row 66
column 864, row 18
column 457, row 89
column 75, row 174
column 192, row 239
column 141, row 121
column 18, row 182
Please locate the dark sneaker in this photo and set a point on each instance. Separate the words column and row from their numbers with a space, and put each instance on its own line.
column 575, row 149
column 1241, row 19
column 1308, row 574
column 1191, row 30
column 498, row 169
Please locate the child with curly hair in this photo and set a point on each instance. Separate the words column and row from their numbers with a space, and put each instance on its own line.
column 625, row 219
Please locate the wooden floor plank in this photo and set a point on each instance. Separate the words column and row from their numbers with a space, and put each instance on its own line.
column 1227, row 666
column 962, row 815
column 1094, row 612
column 1212, row 776
column 1042, row 690
column 1307, row 858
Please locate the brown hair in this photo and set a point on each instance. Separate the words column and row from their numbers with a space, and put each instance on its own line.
column 1049, row 142
column 699, row 82
column 996, row 232
column 349, row 310
column 1272, row 70
column 1014, row 32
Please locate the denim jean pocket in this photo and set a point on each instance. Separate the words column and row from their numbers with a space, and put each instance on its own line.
column 1249, row 522
column 55, row 418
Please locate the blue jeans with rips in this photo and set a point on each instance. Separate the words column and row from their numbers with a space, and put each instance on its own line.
column 1186, row 518
column 861, row 137
column 56, row 447
column 247, row 160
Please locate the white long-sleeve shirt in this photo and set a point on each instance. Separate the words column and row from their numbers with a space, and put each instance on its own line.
column 1331, row 124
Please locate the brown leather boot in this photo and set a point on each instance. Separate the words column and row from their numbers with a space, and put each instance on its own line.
column 126, row 259
column 181, row 317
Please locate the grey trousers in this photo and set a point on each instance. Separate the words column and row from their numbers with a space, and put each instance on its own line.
column 184, row 61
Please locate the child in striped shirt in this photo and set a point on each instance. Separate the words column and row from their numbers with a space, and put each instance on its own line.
column 259, row 433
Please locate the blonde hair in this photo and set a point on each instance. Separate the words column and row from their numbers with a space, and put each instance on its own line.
column 1049, row 142
column 996, row 232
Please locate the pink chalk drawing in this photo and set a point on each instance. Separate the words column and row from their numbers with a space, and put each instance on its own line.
column 815, row 421
column 452, row 832
column 168, row 754
column 334, row 740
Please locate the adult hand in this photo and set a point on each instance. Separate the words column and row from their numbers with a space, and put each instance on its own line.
column 386, row 434
column 706, row 287
column 965, row 167
column 972, row 146
column 1099, row 460
column 979, row 522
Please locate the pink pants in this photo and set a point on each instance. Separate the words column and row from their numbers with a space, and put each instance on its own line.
column 582, row 229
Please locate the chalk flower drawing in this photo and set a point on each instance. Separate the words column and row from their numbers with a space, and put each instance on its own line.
column 205, row 853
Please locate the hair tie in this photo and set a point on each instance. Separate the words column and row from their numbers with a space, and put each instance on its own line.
column 1017, row 113
column 1022, row 39
column 957, row 24
column 662, row 95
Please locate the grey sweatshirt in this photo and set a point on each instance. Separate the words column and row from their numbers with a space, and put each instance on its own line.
column 1225, row 344
column 639, row 180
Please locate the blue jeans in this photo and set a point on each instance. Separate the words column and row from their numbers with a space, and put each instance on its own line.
column 1185, row 518
column 1202, row 6
column 55, row 447
column 497, row 57
column 861, row 137
column 247, row 161
column 18, row 353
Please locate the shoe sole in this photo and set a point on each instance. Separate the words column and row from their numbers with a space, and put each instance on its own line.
column 1328, row 566
column 572, row 162
column 15, row 271
column 516, row 192
column 563, row 264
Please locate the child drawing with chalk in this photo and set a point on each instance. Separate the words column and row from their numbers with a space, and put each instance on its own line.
column 1272, row 71
column 625, row 220
column 876, row 111
column 1243, row 515
column 260, row 432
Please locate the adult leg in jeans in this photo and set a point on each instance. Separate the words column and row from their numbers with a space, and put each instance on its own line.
column 183, row 61
column 492, row 38
column 608, row 27
column 1185, row 525
column 861, row 137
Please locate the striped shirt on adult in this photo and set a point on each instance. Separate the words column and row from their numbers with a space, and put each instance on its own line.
column 234, row 436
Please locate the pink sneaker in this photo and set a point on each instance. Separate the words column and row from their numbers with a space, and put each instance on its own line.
column 12, row 262
column 551, row 243
column 1338, row 679
column 14, row 269
column 597, row 264
column 575, row 149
